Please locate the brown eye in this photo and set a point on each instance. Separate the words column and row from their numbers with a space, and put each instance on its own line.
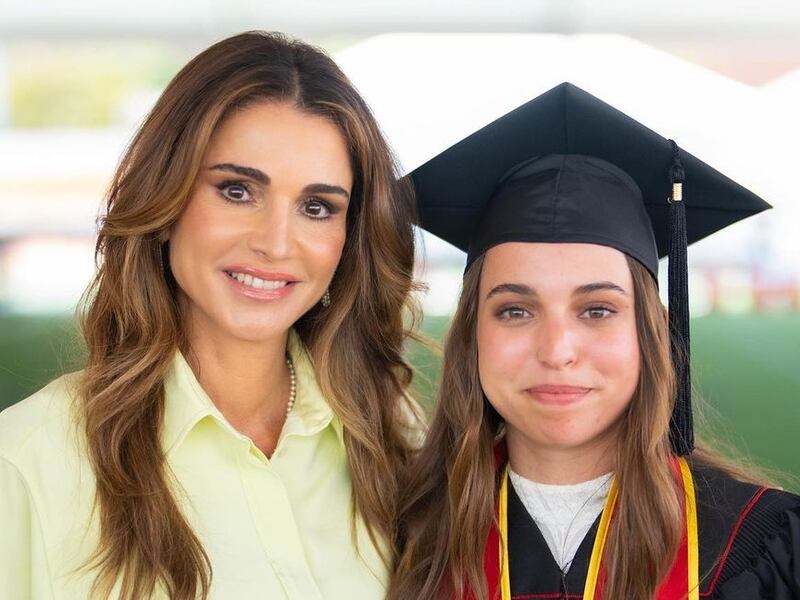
column 513, row 312
column 597, row 312
column 234, row 192
column 317, row 209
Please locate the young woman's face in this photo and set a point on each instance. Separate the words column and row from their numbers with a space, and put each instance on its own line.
column 263, row 231
column 558, row 353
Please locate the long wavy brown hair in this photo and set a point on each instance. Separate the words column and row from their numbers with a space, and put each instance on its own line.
column 133, row 326
column 449, row 502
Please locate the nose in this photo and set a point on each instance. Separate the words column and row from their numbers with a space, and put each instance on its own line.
column 556, row 344
column 271, row 234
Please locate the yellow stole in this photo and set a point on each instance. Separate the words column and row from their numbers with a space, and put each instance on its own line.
column 590, row 590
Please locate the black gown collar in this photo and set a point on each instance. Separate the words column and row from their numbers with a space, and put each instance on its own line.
column 533, row 570
column 725, row 508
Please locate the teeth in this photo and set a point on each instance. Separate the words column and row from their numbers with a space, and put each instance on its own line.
column 255, row 282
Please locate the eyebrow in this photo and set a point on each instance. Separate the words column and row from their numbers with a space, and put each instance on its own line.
column 261, row 177
column 526, row 290
column 511, row 288
column 252, row 173
column 599, row 286
column 324, row 188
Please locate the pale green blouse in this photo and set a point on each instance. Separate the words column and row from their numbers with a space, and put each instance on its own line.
column 273, row 528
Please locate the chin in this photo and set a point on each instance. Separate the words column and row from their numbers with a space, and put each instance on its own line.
column 565, row 439
column 258, row 331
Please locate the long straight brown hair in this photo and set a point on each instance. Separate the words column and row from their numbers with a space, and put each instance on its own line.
column 449, row 502
column 133, row 327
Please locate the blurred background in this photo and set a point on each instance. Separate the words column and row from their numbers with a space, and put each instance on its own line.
column 720, row 77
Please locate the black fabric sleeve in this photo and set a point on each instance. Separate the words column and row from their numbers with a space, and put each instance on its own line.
column 764, row 562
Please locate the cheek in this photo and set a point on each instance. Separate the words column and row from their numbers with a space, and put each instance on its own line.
column 502, row 353
column 202, row 226
column 616, row 357
column 202, row 236
column 323, row 245
column 184, row 238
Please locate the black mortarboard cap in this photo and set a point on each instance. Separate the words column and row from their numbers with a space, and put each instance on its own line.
column 567, row 167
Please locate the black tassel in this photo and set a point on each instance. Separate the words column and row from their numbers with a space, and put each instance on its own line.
column 681, row 426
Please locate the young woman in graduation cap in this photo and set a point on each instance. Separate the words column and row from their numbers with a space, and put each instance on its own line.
column 241, row 423
column 560, row 461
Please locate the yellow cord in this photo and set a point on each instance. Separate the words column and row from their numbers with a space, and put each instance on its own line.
column 505, row 577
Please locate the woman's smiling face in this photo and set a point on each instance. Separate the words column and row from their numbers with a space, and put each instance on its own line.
column 260, row 238
column 558, row 353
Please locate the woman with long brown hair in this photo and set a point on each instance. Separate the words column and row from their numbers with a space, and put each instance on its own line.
column 560, row 462
column 242, row 421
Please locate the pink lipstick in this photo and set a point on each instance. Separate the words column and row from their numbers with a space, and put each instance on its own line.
column 558, row 395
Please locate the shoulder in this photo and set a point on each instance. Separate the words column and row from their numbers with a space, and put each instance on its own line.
column 41, row 421
column 739, row 525
column 725, row 500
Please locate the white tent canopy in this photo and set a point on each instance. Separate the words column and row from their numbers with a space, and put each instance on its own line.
column 431, row 90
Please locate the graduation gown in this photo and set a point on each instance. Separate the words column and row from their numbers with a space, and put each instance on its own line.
column 749, row 546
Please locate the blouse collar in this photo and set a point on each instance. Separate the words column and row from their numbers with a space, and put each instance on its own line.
column 187, row 404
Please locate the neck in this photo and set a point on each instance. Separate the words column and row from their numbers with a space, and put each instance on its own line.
column 561, row 465
column 247, row 381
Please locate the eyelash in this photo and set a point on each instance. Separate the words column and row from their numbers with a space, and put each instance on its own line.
column 504, row 313
column 225, row 185
column 608, row 310
column 222, row 187
column 332, row 210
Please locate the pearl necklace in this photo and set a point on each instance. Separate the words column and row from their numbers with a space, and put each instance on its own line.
column 292, row 385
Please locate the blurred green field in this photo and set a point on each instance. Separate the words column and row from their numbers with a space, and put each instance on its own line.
column 746, row 368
